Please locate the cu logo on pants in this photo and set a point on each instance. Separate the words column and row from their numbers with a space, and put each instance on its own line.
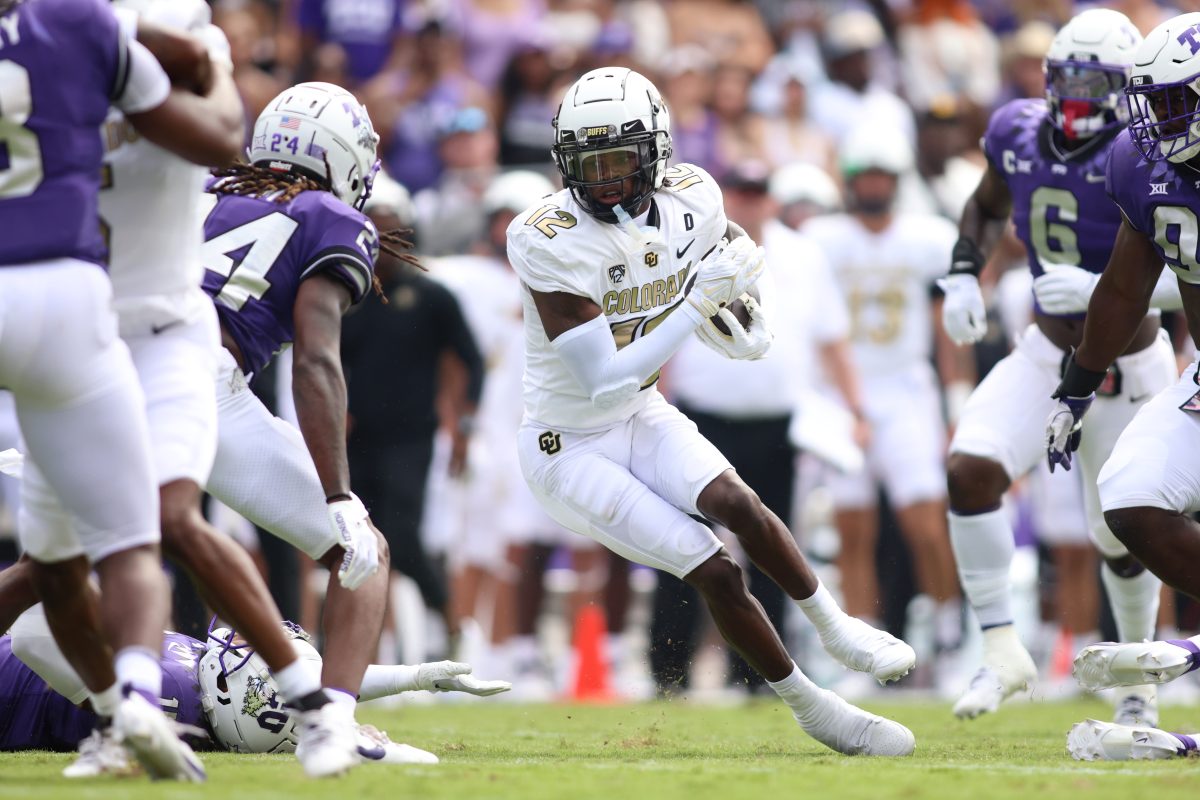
column 549, row 443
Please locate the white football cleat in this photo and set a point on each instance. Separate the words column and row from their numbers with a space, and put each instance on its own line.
column 1092, row 740
column 375, row 746
column 1108, row 664
column 327, row 741
column 153, row 740
column 854, row 732
column 1007, row 669
column 862, row 648
column 100, row 754
column 1137, row 706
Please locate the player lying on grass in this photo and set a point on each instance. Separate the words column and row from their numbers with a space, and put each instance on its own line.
column 219, row 691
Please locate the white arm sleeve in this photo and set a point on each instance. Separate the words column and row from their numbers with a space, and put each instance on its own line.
column 147, row 85
column 385, row 680
column 34, row 645
column 1166, row 292
column 611, row 376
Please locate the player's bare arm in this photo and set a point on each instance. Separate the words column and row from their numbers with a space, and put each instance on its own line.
column 964, row 317
column 1120, row 301
column 184, row 58
column 208, row 130
column 318, row 385
column 560, row 311
column 986, row 212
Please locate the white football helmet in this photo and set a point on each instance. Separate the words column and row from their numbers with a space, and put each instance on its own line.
column 612, row 125
column 322, row 131
column 869, row 148
column 1163, row 91
column 390, row 195
column 515, row 191
column 240, row 698
column 804, row 183
column 1086, row 70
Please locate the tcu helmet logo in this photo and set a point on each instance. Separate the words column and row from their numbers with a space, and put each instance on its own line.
column 651, row 259
column 1191, row 37
column 549, row 442
column 616, row 273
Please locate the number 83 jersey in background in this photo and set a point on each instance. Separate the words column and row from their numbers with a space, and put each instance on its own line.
column 257, row 251
column 1060, row 208
column 557, row 247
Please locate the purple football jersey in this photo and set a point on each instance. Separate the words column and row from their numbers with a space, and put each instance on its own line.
column 64, row 60
column 1060, row 207
column 1161, row 200
column 32, row 715
column 256, row 253
column 35, row 717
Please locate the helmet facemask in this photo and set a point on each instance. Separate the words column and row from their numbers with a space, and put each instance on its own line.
column 1166, row 119
column 611, row 161
column 1085, row 97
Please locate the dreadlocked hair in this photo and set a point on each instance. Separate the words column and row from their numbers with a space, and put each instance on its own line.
column 253, row 181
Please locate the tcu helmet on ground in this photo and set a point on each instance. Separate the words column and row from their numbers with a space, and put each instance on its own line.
column 612, row 110
column 239, row 698
column 1163, row 91
column 1086, row 69
column 322, row 131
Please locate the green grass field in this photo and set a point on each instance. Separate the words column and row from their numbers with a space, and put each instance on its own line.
column 671, row 751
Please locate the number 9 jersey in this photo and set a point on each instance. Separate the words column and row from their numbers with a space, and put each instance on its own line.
column 557, row 246
column 1060, row 208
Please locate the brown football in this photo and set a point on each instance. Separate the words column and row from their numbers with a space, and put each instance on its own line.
column 739, row 310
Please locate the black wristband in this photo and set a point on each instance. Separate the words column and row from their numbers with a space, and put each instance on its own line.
column 1078, row 381
column 966, row 258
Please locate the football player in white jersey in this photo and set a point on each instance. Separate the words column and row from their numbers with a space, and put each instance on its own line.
column 885, row 262
column 150, row 209
column 620, row 267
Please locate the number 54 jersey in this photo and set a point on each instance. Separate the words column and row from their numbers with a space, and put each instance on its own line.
column 1060, row 208
column 257, row 251
column 557, row 247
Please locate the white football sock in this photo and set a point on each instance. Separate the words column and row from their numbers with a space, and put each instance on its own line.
column 1134, row 603
column 383, row 680
column 983, row 550
column 821, row 609
column 801, row 695
column 138, row 668
column 298, row 679
column 105, row 703
column 1002, row 648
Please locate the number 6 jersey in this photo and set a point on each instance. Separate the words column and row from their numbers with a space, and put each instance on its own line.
column 256, row 253
column 1060, row 208
column 557, row 247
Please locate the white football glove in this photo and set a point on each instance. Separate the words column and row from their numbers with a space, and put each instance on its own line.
column 740, row 343
column 963, row 314
column 453, row 676
column 1064, row 289
column 725, row 274
column 356, row 536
